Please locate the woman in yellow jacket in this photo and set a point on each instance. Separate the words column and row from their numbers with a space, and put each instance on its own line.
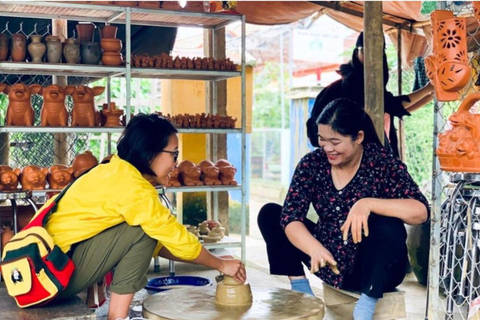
column 112, row 218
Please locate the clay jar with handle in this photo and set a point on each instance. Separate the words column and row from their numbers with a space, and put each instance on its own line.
column 3, row 47
column 71, row 51
column 91, row 53
column 54, row 49
column 18, row 50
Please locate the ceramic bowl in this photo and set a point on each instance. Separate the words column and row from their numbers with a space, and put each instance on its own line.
column 112, row 58
column 111, row 44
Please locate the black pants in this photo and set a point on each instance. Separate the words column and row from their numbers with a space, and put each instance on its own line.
column 379, row 264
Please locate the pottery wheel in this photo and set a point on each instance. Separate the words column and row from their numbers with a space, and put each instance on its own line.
column 199, row 304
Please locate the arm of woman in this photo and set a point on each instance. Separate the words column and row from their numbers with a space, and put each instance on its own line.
column 419, row 98
column 230, row 267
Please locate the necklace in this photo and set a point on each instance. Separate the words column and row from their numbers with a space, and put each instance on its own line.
column 341, row 185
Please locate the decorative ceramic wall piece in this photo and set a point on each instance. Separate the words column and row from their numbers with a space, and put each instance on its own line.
column 189, row 174
column 54, row 113
column 59, row 176
column 459, row 148
column 36, row 48
column 8, row 178
column 83, row 162
column 19, row 110
column 447, row 67
column 33, row 178
column 54, row 49
column 83, row 111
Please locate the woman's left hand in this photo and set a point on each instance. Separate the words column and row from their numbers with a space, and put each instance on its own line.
column 356, row 221
column 234, row 268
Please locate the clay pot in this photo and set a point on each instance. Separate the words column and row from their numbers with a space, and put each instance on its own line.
column 18, row 50
column 203, row 229
column 54, row 49
column 112, row 59
column 85, row 31
column 71, row 51
column 108, row 32
column 111, row 44
column 91, row 53
column 231, row 293
column 3, row 47
column 36, row 48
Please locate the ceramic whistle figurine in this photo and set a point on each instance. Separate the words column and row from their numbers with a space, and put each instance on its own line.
column 59, row 176
column 8, row 178
column 33, row 178
column 83, row 112
column 189, row 174
column 54, row 113
column 209, row 173
column 227, row 172
column 19, row 110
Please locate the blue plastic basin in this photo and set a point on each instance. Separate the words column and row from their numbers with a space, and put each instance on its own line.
column 166, row 283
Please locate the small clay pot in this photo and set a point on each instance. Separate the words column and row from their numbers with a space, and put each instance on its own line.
column 91, row 53
column 112, row 59
column 36, row 48
column 231, row 293
column 18, row 51
column 108, row 32
column 85, row 31
column 54, row 49
column 111, row 44
column 3, row 47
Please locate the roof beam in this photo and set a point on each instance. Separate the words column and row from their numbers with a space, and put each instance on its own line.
column 403, row 24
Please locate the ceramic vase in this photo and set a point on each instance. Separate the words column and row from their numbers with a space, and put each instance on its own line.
column 54, row 49
column 18, row 50
column 85, row 32
column 91, row 53
column 3, row 47
column 108, row 32
column 36, row 48
column 71, row 51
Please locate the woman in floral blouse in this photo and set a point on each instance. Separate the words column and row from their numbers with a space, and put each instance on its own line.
column 362, row 194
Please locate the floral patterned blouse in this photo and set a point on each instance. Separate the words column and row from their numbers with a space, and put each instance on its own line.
column 380, row 175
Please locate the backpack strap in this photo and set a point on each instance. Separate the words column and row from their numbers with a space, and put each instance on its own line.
column 41, row 218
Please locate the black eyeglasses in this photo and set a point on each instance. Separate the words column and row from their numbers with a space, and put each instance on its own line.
column 175, row 154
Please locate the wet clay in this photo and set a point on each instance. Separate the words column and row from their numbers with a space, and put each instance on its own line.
column 199, row 304
column 231, row 293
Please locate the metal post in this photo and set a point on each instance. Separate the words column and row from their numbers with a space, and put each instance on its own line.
column 244, row 145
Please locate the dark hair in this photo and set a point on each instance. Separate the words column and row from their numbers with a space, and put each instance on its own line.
column 348, row 118
column 143, row 138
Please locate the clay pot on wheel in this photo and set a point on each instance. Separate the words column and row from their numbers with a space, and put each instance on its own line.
column 231, row 293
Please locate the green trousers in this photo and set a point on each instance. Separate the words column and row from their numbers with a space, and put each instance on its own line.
column 124, row 248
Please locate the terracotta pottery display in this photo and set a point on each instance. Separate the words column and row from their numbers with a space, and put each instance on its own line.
column 209, row 173
column 59, row 176
column 108, row 32
column 111, row 45
column 19, row 110
column 7, row 234
column 113, row 115
column 54, row 113
column 8, row 178
column 3, row 47
column 36, row 48
column 227, row 172
column 33, row 178
column 91, row 52
column 18, row 50
column 83, row 111
column 189, row 174
column 85, row 32
column 173, row 178
column 71, row 51
column 54, row 49
column 83, row 162
column 231, row 293
column 459, row 148
column 112, row 59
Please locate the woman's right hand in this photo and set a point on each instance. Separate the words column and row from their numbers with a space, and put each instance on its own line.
column 321, row 257
column 234, row 268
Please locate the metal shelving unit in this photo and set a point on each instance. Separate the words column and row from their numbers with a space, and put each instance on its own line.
column 135, row 16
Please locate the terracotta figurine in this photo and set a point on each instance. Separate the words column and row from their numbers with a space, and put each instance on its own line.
column 189, row 174
column 209, row 173
column 83, row 112
column 59, row 176
column 54, row 113
column 8, row 178
column 173, row 178
column 19, row 109
column 227, row 172
column 33, row 178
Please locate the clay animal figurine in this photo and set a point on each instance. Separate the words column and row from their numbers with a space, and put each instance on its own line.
column 59, row 176
column 83, row 162
column 19, row 109
column 8, row 178
column 173, row 178
column 83, row 112
column 33, row 178
column 227, row 172
column 189, row 174
column 54, row 113
column 209, row 173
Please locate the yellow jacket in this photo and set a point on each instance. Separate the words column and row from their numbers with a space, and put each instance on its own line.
column 113, row 193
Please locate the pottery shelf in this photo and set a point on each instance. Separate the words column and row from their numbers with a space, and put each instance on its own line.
column 37, row 129
column 117, row 14
column 163, row 190
column 100, row 71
